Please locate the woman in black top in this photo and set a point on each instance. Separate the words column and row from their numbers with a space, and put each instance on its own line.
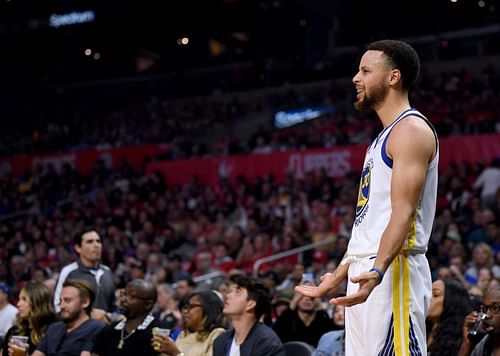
column 35, row 314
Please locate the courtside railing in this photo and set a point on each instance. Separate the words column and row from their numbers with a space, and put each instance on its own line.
column 293, row 251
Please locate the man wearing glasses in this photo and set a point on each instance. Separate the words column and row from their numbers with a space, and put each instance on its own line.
column 489, row 344
column 132, row 335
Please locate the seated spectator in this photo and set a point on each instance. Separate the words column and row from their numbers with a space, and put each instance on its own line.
column 36, row 313
column 333, row 342
column 489, row 334
column 247, row 301
column 8, row 312
column 339, row 317
column 448, row 308
column 482, row 256
column 281, row 303
column 318, row 265
column 305, row 320
column 74, row 334
column 204, row 268
column 131, row 335
column 293, row 279
column 222, row 261
column 166, row 307
column 183, row 289
column 203, row 322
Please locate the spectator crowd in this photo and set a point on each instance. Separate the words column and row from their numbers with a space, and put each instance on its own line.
column 119, row 255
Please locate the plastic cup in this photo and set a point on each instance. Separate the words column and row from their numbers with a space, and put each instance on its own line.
column 19, row 345
column 161, row 331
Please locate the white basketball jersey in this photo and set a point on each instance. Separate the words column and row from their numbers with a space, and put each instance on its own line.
column 373, row 209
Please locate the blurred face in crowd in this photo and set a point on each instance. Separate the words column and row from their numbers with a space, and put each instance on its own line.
column 71, row 304
column 339, row 315
column 298, row 271
column 444, row 273
column 192, row 314
column 481, row 256
column 183, row 289
column 306, row 304
column 204, row 261
column 458, row 262
column 91, row 248
column 164, row 298
column 437, row 300
column 24, row 305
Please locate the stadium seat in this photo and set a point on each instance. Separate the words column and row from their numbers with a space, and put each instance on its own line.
column 297, row 348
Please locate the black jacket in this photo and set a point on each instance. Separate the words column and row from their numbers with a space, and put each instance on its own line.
column 261, row 340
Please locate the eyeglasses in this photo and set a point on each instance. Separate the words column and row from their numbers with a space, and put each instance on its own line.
column 494, row 308
column 189, row 306
column 124, row 294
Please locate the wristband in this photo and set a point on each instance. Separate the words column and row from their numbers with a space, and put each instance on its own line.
column 380, row 274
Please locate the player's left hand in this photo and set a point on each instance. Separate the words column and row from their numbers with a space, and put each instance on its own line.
column 367, row 282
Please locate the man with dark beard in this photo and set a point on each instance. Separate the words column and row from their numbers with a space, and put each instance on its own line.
column 394, row 214
column 72, row 335
column 132, row 335
column 305, row 321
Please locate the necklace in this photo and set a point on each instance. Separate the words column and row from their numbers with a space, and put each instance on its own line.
column 123, row 338
column 121, row 326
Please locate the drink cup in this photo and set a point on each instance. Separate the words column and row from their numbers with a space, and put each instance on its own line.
column 19, row 345
column 161, row 331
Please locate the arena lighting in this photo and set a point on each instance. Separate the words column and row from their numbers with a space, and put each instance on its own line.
column 183, row 41
column 284, row 119
column 72, row 18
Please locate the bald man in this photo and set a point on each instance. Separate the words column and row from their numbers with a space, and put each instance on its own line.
column 132, row 335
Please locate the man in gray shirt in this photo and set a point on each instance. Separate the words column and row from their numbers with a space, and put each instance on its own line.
column 88, row 245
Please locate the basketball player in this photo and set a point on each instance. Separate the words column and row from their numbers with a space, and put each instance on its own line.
column 389, row 281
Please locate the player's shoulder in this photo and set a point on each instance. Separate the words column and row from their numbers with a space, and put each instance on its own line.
column 413, row 130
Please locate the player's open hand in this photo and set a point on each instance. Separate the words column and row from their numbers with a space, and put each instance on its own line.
column 309, row 291
column 367, row 282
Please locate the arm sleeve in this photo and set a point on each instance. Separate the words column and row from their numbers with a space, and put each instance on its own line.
column 43, row 346
column 89, row 342
column 57, row 290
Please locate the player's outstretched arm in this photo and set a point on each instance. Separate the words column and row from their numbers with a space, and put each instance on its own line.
column 329, row 282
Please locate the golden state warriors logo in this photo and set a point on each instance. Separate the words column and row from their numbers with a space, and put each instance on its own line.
column 364, row 192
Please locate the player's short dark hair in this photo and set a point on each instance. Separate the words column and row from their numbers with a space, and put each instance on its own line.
column 401, row 56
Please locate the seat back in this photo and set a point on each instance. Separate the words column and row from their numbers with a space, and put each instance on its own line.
column 298, row 348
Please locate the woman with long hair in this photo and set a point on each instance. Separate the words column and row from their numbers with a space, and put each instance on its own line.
column 203, row 322
column 450, row 304
column 35, row 314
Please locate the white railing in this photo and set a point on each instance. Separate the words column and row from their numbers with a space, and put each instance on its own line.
column 293, row 251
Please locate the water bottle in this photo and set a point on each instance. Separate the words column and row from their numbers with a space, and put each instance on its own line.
column 477, row 331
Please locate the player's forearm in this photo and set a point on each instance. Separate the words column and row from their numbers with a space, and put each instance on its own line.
column 393, row 238
column 335, row 278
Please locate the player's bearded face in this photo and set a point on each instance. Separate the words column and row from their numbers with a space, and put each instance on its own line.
column 373, row 97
